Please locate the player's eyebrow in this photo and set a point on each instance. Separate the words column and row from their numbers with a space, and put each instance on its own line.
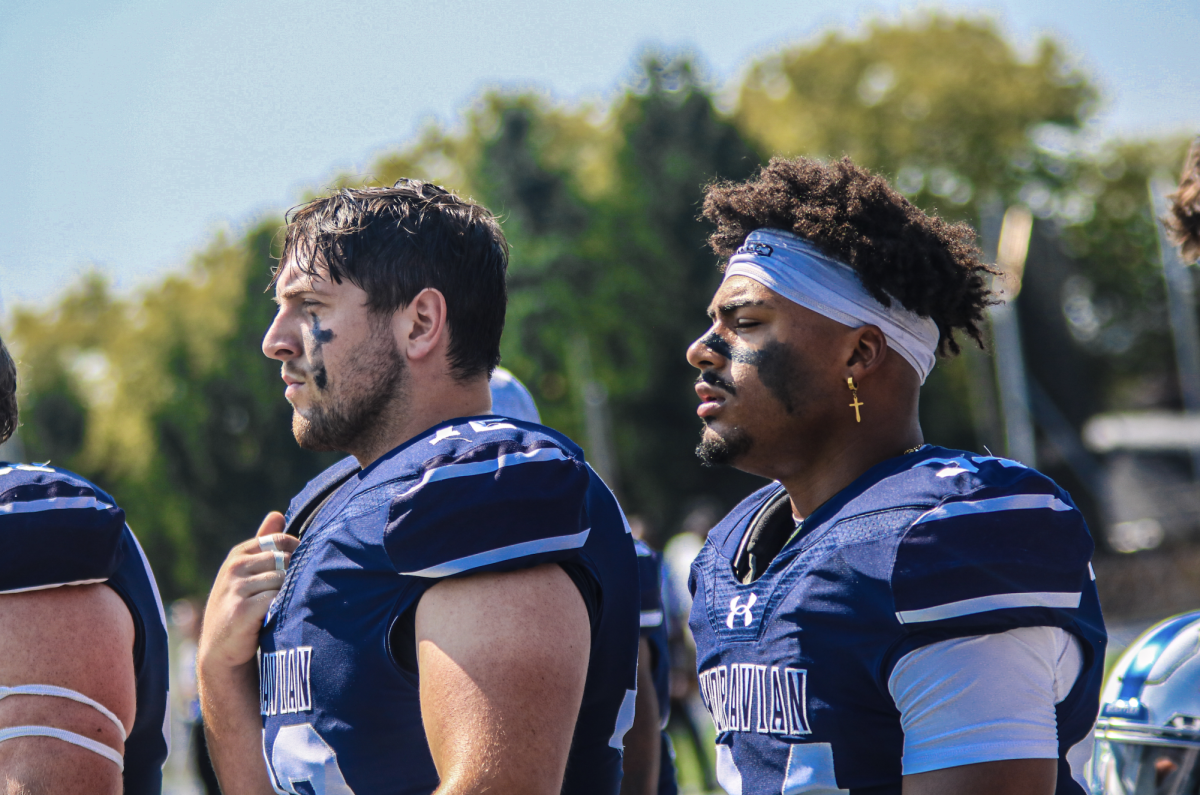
column 732, row 306
column 292, row 292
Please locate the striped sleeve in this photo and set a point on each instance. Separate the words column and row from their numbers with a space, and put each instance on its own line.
column 650, row 587
column 993, row 560
column 498, row 507
column 55, row 530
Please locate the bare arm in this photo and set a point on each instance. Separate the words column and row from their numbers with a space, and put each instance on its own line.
column 78, row 637
column 643, row 742
column 227, row 671
column 1008, row 777
column 503, row 659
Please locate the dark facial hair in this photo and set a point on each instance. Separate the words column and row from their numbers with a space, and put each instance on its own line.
column 711, row 378
column 780, row 372
column 715, row 450
column 348, row 416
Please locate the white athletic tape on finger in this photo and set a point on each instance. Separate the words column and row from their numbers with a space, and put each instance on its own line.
column 280, row 561
column 67, row 737
column 267, row 544
column 63, row 692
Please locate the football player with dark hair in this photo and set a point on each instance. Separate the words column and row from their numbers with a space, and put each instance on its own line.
column 454, row 607
column 886, row 616
column 83, row 638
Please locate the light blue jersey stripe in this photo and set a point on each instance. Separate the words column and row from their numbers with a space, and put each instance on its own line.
column 983, row 604
column 54, row 504
column 483, row 467
column 1014, row 502
column 511, row 552
column 651, row 618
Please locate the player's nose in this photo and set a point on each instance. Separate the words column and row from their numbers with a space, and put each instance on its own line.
column 703, row 354
column 280, row 341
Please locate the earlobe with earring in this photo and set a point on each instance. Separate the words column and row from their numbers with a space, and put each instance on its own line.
column 856, row 403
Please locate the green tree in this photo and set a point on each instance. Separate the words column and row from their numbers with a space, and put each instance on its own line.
column 944, row 105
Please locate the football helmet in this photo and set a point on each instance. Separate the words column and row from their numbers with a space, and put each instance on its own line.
column 1148, row 732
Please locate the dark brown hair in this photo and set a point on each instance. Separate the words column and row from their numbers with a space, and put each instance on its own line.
column 899, row 252
column 8, row 394
column 395, row 242
column 1184, row 219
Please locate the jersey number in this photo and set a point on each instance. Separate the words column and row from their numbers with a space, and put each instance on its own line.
column 304, row 764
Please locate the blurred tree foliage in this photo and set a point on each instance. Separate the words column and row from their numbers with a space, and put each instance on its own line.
column 167, row 400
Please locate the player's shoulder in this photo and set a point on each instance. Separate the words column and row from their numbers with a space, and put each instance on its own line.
column 482, row 493
column 960, row 487
column 933, row 475
column 1000, row 535
column 56, row 527
column 980, row 470
column 470, row 451
column 19, row 482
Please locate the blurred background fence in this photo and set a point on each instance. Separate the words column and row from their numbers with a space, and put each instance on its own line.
column 164, row 398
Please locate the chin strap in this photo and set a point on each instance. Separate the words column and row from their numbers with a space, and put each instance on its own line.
column 62, row 734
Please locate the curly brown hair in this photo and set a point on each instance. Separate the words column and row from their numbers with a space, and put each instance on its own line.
column 930, row 266
column 8, row 394
column 1184, row 220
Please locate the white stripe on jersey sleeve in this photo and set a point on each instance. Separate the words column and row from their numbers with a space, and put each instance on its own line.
column 982, row 604
column 501, row 554
column 482, row 467
column 54, row 504
column 651, row 618
column 54, row 585
column 1013, row 502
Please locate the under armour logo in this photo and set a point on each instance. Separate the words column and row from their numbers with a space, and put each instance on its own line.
column 736, row 610
column 757, row 249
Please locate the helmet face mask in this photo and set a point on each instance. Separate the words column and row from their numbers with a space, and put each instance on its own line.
column 1148, row 733
column 1121, row 767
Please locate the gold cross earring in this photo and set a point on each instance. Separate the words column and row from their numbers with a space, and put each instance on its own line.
column 856, row 404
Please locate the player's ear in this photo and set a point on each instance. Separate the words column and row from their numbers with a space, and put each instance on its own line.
column 868, row 350
column 420, row 326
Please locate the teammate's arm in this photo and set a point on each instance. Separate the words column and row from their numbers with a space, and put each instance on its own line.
column 1008, row 777
column 503, row 659
column 227, row 672
column 78, row 637
column 643, row 741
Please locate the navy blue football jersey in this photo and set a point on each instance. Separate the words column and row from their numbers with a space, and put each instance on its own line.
column 338, row 676
column 654, row 630
column 57, row 529
column 937, row 544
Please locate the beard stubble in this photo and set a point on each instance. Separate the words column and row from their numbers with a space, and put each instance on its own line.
column 348, row 416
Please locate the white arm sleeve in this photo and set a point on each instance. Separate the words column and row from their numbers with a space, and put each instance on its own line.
column 984, row 698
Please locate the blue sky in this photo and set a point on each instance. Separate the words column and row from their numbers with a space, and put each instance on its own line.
column 133, row 130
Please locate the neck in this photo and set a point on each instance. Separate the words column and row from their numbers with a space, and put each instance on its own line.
column 419, row 408
column 830, row 466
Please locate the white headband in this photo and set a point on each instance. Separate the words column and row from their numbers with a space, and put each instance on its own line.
column 794, row 268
